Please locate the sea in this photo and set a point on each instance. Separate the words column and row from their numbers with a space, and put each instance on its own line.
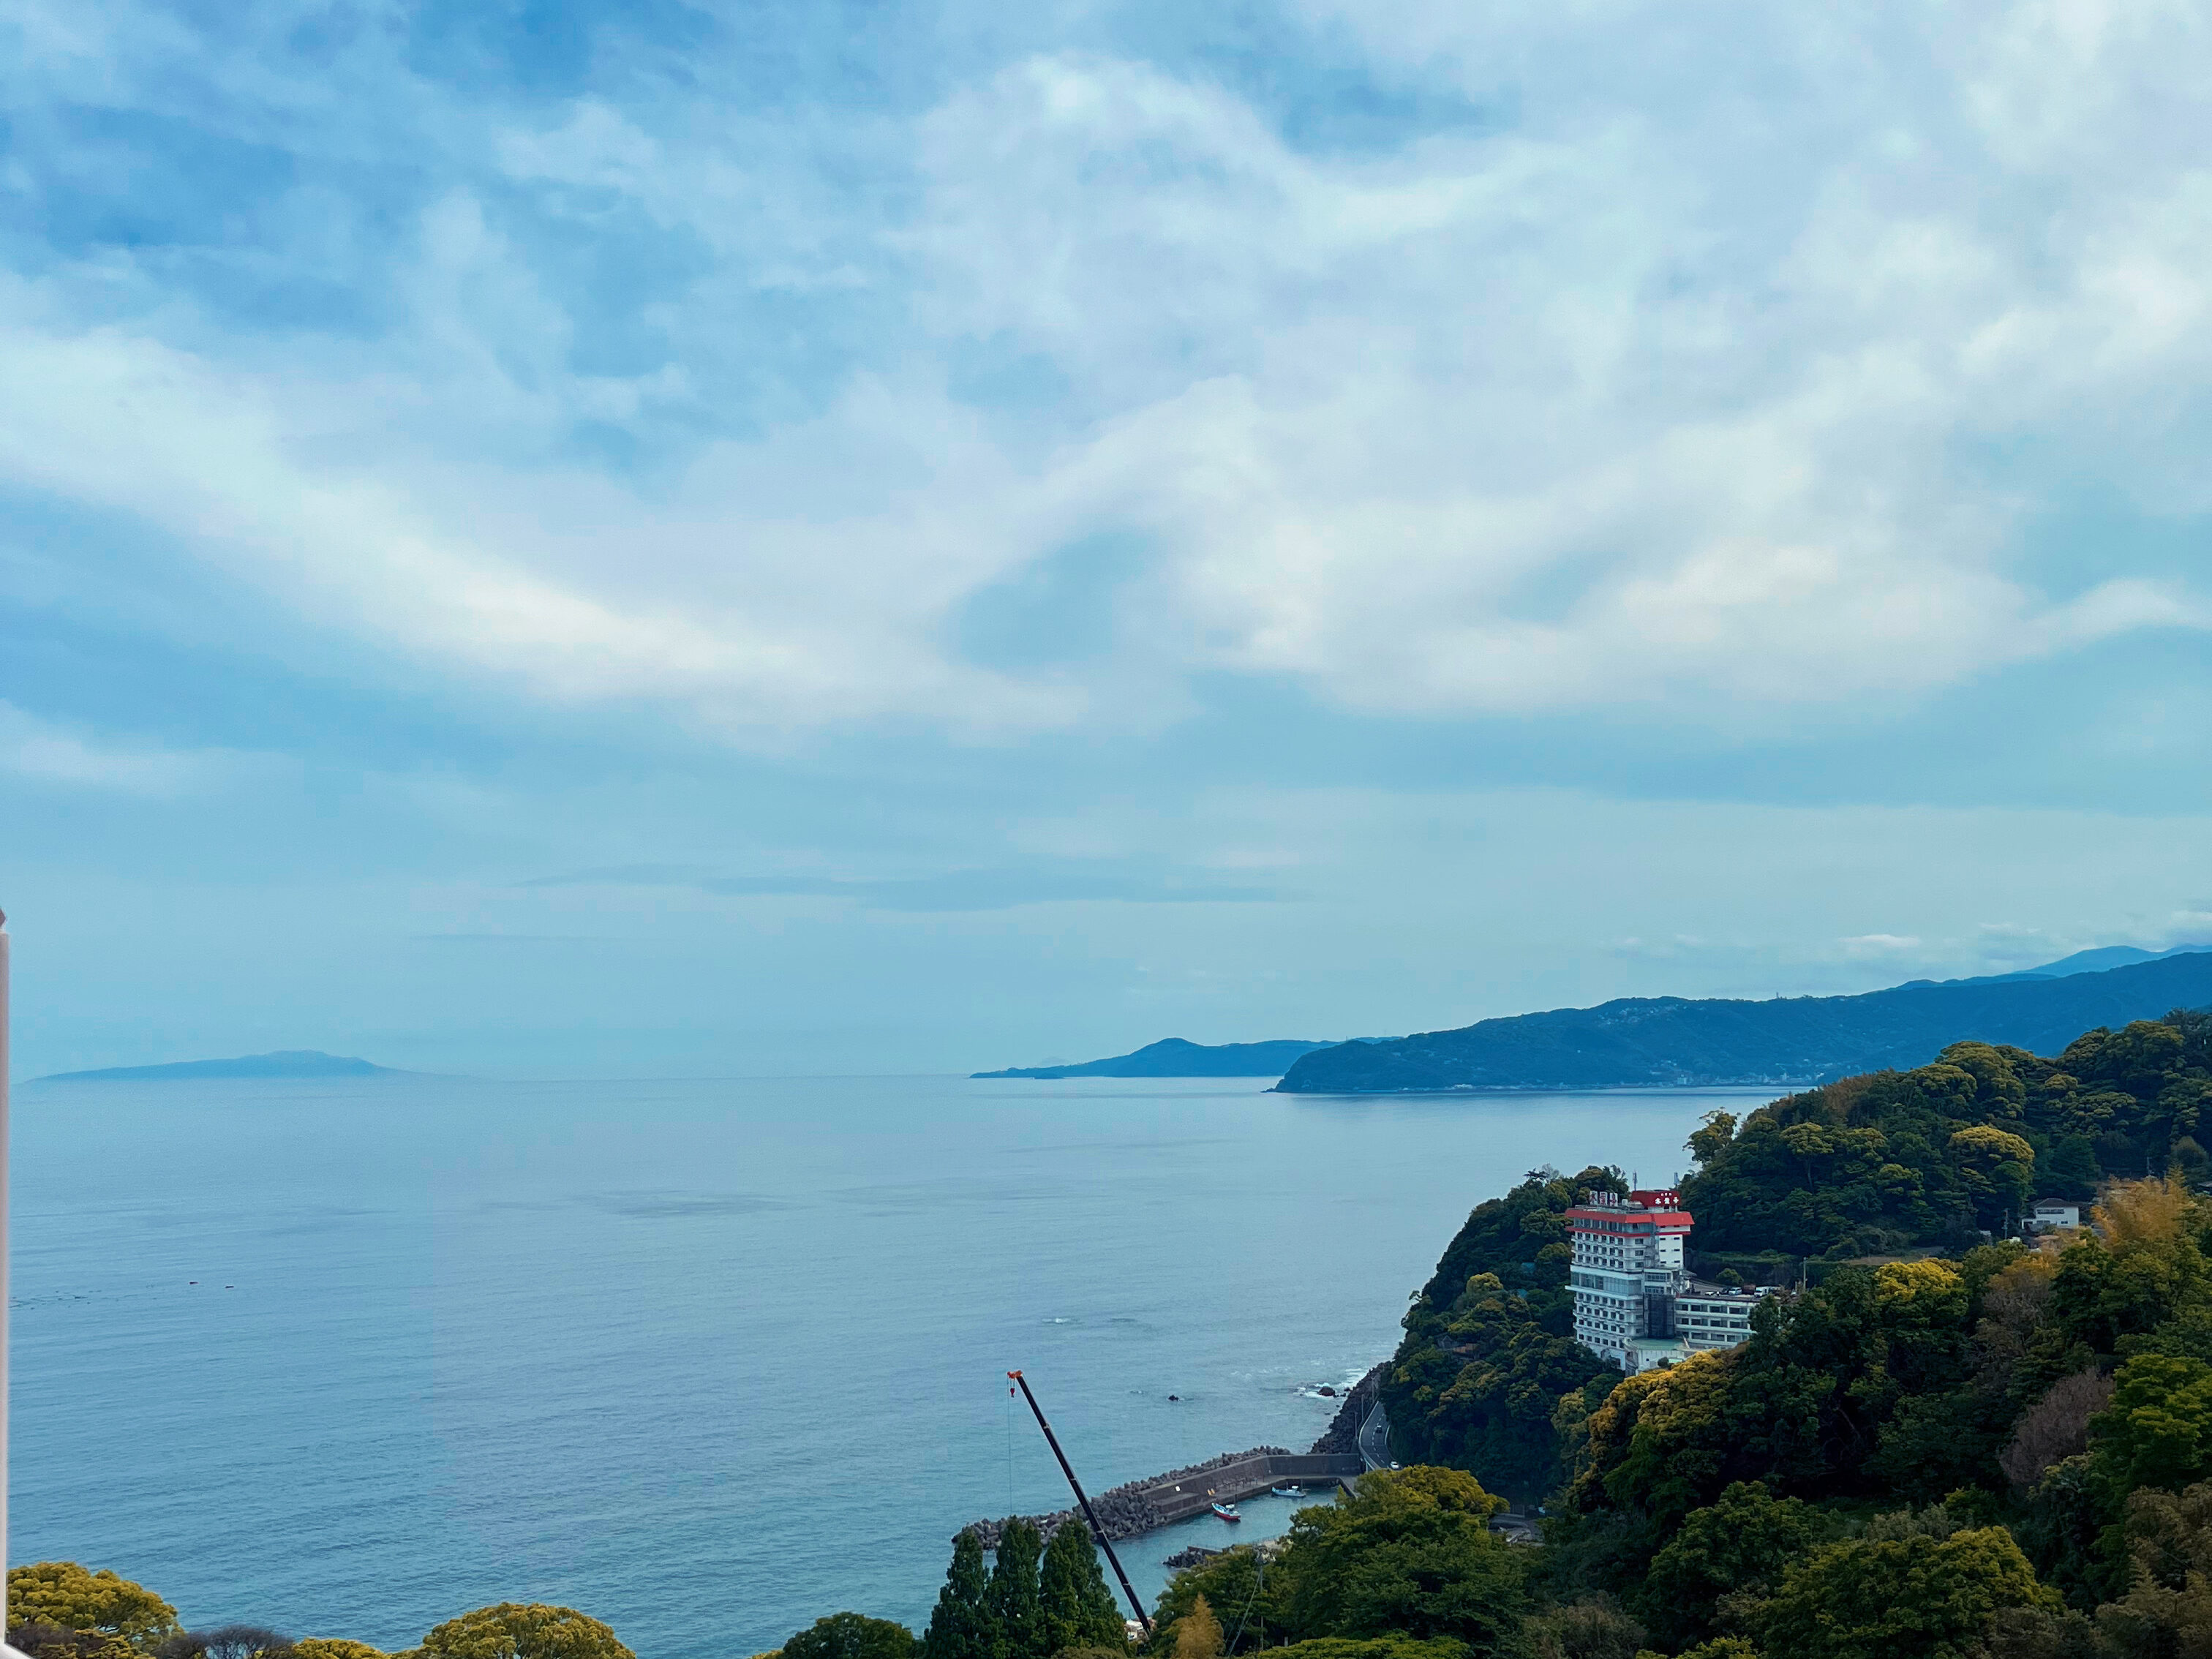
column 706, row 1359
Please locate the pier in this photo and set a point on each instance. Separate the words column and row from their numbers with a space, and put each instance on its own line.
column 1357, row 1440
column 1142, row 1506
column 1179, row 1496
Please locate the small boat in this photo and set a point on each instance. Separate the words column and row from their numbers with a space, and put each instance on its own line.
column 1226, row 1511
column 1289, row 1492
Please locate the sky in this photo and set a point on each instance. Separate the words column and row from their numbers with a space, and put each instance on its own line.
column 551, row 539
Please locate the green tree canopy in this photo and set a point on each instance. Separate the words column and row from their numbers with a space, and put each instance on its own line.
column 1800, row 1406
column 63, row 1594
column 1411, row 1552
column 2158, row 1430
column 1077, row 1609
column 1256, row 1595
column 1740, row 1542
column 2168, row 1609
column 961, row 1626
column 1873, row 1164
column 1012, row 1598
column 2142, row 1265
column 1996, row 1168
column 1917, row 1597
column 1592, row 1629
column 850, row 1636
column 515, row 1630
column 1371, row 1647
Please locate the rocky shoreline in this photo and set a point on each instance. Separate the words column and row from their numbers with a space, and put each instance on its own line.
column 1343, row 1431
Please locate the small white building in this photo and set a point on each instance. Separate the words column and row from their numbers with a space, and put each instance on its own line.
column 1647, row 1353
column 2049, row 1214
column 1708, row 1316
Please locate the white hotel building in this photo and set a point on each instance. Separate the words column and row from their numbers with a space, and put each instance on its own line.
column 1634, row 1304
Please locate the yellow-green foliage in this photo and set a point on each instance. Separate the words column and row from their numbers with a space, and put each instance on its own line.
column 63, row 1594
column 1198, row 1632
column 1638, row 1435
column 513, row 1631
column 2138, row 1266
column 334, row 1647
column 1424, row 1486
column 1921, row 1293
column 1917, row 1597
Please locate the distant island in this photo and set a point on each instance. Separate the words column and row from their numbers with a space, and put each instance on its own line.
column 294, row 1063
column 1674, row 1041
column 1174, row 1057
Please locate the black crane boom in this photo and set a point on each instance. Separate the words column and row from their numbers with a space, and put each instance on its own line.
column 1088, row 1514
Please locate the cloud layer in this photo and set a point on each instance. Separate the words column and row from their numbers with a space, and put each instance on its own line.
column 1631, row 355
column 993, row 532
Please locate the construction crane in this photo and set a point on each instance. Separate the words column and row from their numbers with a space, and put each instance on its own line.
column 1088, row 1514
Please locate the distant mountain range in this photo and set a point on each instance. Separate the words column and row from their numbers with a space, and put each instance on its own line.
column 2100, row 960
column 293, row 1063
column 1641, row 1041
column 1173, row 1057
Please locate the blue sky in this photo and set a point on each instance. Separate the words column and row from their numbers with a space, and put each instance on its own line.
column 556, row 540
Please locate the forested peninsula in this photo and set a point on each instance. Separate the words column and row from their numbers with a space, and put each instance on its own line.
column 1673, row 1042
column 1942, row 1440
column 1179, row 1057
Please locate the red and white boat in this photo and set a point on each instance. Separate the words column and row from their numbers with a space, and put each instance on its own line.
column 1226, row 1511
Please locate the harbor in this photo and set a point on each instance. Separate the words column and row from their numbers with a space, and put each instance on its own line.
column 1353, row 1444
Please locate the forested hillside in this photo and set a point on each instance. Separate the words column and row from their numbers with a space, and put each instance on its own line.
column 1939, row 1154
column 1941, row 1446
column 1640, row 1042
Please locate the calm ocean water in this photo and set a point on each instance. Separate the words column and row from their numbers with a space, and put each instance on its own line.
column 705, row 1359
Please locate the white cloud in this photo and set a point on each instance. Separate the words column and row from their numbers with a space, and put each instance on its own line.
column 44, row 753
column 1878, row 945
column 1689, row 389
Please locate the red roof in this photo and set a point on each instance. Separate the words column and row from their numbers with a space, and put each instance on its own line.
column 1665, row 1220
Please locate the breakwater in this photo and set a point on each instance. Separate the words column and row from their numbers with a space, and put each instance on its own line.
column 1142, row 1506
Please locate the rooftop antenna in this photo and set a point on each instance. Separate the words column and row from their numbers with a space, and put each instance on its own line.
column 1089, row 1515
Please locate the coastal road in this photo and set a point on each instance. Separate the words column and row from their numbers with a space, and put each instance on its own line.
column 1375, row 1439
